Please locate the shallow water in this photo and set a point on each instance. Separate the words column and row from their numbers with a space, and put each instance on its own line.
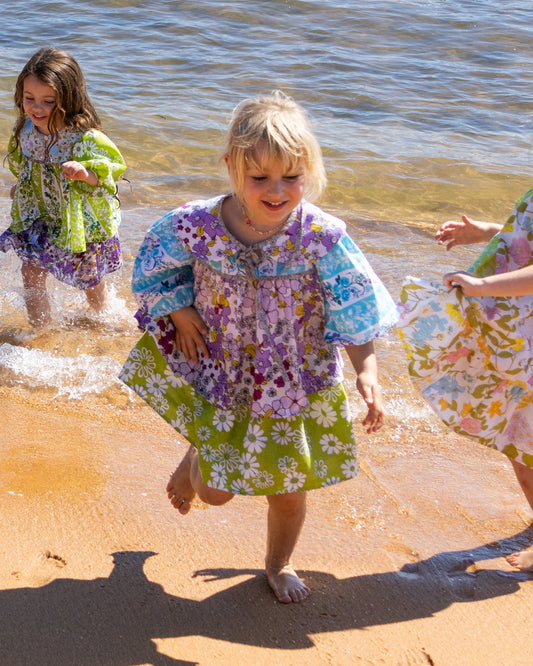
column 423, row 110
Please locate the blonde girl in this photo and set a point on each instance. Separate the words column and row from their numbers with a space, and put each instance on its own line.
column 246, row 299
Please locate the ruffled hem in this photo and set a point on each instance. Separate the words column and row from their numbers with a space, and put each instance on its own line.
column 82, row 270
column 245, row 455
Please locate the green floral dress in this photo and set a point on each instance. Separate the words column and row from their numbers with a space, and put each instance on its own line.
column 472, row 358
column 67, row 227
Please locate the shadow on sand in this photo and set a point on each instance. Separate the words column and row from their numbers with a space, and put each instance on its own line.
column 115, row 620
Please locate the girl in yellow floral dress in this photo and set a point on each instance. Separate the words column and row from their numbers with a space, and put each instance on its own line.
column 469, row 343
column 65, row 213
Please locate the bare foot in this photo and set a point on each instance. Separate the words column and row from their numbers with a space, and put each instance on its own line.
column 179, row 488
column 286, row 585
column 522, row 560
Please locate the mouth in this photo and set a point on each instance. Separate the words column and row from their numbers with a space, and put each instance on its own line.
column 274, row 206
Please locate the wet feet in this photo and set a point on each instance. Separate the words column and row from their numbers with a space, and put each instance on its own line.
column 523, row 560
column 179, row 488
column 286, row 585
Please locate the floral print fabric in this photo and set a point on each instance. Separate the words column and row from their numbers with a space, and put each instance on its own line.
column 472, row 358
column 75, row 213
column 276, row 313
column 82, row 270
column 244, row 455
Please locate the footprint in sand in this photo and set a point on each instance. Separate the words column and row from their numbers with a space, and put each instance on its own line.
column 43, row 570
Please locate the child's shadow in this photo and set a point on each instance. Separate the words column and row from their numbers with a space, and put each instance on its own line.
column 115, row 620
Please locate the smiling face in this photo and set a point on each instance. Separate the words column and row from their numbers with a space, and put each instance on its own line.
column 271, row 189
column 39, row 101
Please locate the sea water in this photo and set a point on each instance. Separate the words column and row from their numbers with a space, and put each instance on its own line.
column 422, row 108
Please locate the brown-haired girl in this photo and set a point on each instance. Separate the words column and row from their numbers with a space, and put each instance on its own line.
column 65, row 213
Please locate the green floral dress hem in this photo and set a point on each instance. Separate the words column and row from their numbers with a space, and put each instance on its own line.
column 245, row 455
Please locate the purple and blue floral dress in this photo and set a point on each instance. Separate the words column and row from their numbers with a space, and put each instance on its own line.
column 267, row 411
column 67, row 227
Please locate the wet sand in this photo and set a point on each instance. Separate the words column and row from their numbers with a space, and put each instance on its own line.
column 406, row 561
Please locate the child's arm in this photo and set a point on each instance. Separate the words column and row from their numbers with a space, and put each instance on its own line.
column 513, row 283
column 190, row 330
column 76, row 171
column 466, row 232
column 364, row 363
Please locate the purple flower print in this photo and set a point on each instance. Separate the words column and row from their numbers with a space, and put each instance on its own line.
column 520, row 251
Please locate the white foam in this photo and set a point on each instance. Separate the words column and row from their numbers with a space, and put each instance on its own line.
column 71, row 376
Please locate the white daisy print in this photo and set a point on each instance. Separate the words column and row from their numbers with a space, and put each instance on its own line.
column 263, row 479
column 127, row 373
column 143, row 361
column 349, row 468
column 183, row 415
column 228, row 456
column 300, row 442
column 156, row 385
column 198, row 407
column 141, row 392
column 333, row 480
column 287, row 464
column 159, row 403
column 330, row 444
column 207, row 452
column 223, row 421
column 204, row 433
column 321, row 468
column 331, row 393
column 249, row 465
column 350, row 449
column 241, row 487
column 323, row 413
column 255, row 439
column 294, row 482
column 218, row 475
column 282, row 433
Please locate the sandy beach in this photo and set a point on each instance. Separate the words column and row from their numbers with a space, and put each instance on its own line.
column 406, row 566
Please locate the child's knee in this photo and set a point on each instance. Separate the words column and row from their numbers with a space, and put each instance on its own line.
column 288, row 502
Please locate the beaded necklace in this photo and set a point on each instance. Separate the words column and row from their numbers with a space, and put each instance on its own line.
column 267, row 232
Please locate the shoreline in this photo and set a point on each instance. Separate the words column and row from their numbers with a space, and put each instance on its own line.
column 405, row 561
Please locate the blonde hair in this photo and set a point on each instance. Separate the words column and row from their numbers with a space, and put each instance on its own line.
column 281, row 127
column 60, row 71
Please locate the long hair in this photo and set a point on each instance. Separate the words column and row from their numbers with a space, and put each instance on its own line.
column 60, row 71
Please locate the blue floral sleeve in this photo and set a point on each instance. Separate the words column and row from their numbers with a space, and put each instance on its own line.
column 358, row 305
column 163, row 278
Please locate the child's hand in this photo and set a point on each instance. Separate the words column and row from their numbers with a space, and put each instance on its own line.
column 190, row 330
column 466, row 232
column 470, row 284
column 76, row 171
column 371, row 394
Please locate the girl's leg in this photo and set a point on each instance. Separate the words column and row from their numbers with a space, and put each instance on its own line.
column 186, row 482
column 35, row 294
column 524, row 474
column 524, row 559
column 98, row 297
column 286, row 515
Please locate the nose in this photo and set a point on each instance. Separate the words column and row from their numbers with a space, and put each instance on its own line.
column 276, row 186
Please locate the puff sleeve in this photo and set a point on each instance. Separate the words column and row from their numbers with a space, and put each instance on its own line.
column 163, row 278
column 358, row 305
